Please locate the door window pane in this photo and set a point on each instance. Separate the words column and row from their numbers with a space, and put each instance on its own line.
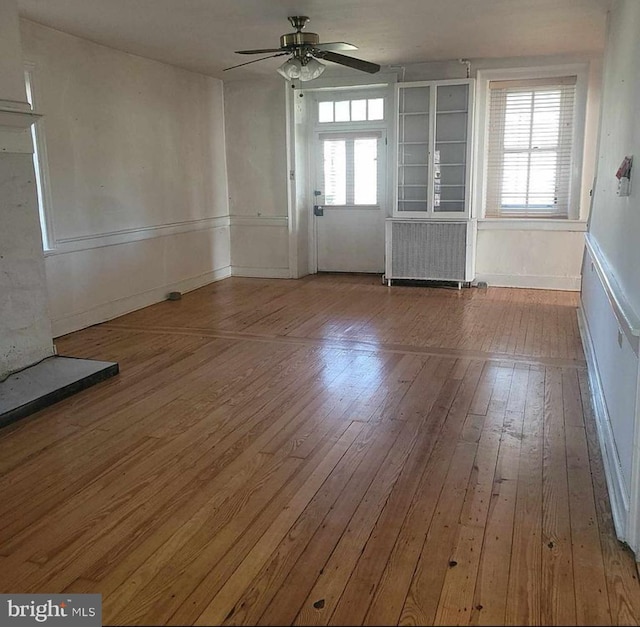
column 365, row 171
column 335, row 172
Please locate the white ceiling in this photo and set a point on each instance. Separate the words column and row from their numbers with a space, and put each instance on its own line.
column 202, row 35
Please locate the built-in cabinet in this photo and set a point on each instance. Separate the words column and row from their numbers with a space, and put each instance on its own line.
column 434, row 130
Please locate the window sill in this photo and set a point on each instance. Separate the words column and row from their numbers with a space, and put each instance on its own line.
column 530, row 224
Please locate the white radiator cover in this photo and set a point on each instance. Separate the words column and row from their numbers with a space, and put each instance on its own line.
column 437, row 250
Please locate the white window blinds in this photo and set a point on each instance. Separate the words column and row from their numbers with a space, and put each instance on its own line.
column 530, row 156
column 351, row 168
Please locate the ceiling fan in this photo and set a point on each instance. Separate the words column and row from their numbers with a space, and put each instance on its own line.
column 304, row 50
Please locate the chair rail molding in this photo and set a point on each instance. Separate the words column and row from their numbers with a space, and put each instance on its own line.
column 16, row 118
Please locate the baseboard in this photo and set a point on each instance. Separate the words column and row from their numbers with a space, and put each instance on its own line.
column 113, row 309
column 261, row 273
column 613, row 473
column 564, row 283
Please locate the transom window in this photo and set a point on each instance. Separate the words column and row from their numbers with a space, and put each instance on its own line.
column 530, row 148
column 356, row 110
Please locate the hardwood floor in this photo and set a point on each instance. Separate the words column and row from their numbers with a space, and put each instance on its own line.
column 323, row 451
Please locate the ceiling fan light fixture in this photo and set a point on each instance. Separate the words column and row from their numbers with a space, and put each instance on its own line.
column 304, row 69
column 311, row 69
column 291, row 68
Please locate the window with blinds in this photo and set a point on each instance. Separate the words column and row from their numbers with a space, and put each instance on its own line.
column 350, row 168
column 529, row 161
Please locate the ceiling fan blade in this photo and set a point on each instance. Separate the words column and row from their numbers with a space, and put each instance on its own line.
column 262, row 51
column 336, row 45
column 254, row 61
column 357, row 64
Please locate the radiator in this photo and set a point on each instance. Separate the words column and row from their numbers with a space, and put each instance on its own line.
column 430, row 250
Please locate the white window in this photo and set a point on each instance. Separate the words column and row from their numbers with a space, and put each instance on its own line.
column 40, row 164
column 351, row 168
column 530, row 154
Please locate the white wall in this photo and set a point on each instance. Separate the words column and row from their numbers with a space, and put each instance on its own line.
column 615, row 222
column 610, row 299
column 25, row 329
column 11, row 75
column 137, row 177
column 512, row 256
column 255, row 123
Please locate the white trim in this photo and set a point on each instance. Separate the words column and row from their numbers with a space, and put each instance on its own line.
column 626, row 316
column 16, row 106
column 16, row 118
column 127, row 236
column 279, row 221
column 618, row 496
column 533, row 224
column 260, row 273
column 113, row 309
column 633, row 522
column 541, row 282
column 292, row 214
column 581, row 71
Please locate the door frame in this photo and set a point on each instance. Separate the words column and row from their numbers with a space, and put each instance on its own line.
column 300, row 127
column 313, row 129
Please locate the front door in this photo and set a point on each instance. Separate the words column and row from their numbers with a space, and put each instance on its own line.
column 350, row 196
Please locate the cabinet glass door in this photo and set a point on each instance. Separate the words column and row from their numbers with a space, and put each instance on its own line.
column 414, row 138
column 450, row 155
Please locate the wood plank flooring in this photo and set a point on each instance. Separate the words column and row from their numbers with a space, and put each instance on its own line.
column 326, row 451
